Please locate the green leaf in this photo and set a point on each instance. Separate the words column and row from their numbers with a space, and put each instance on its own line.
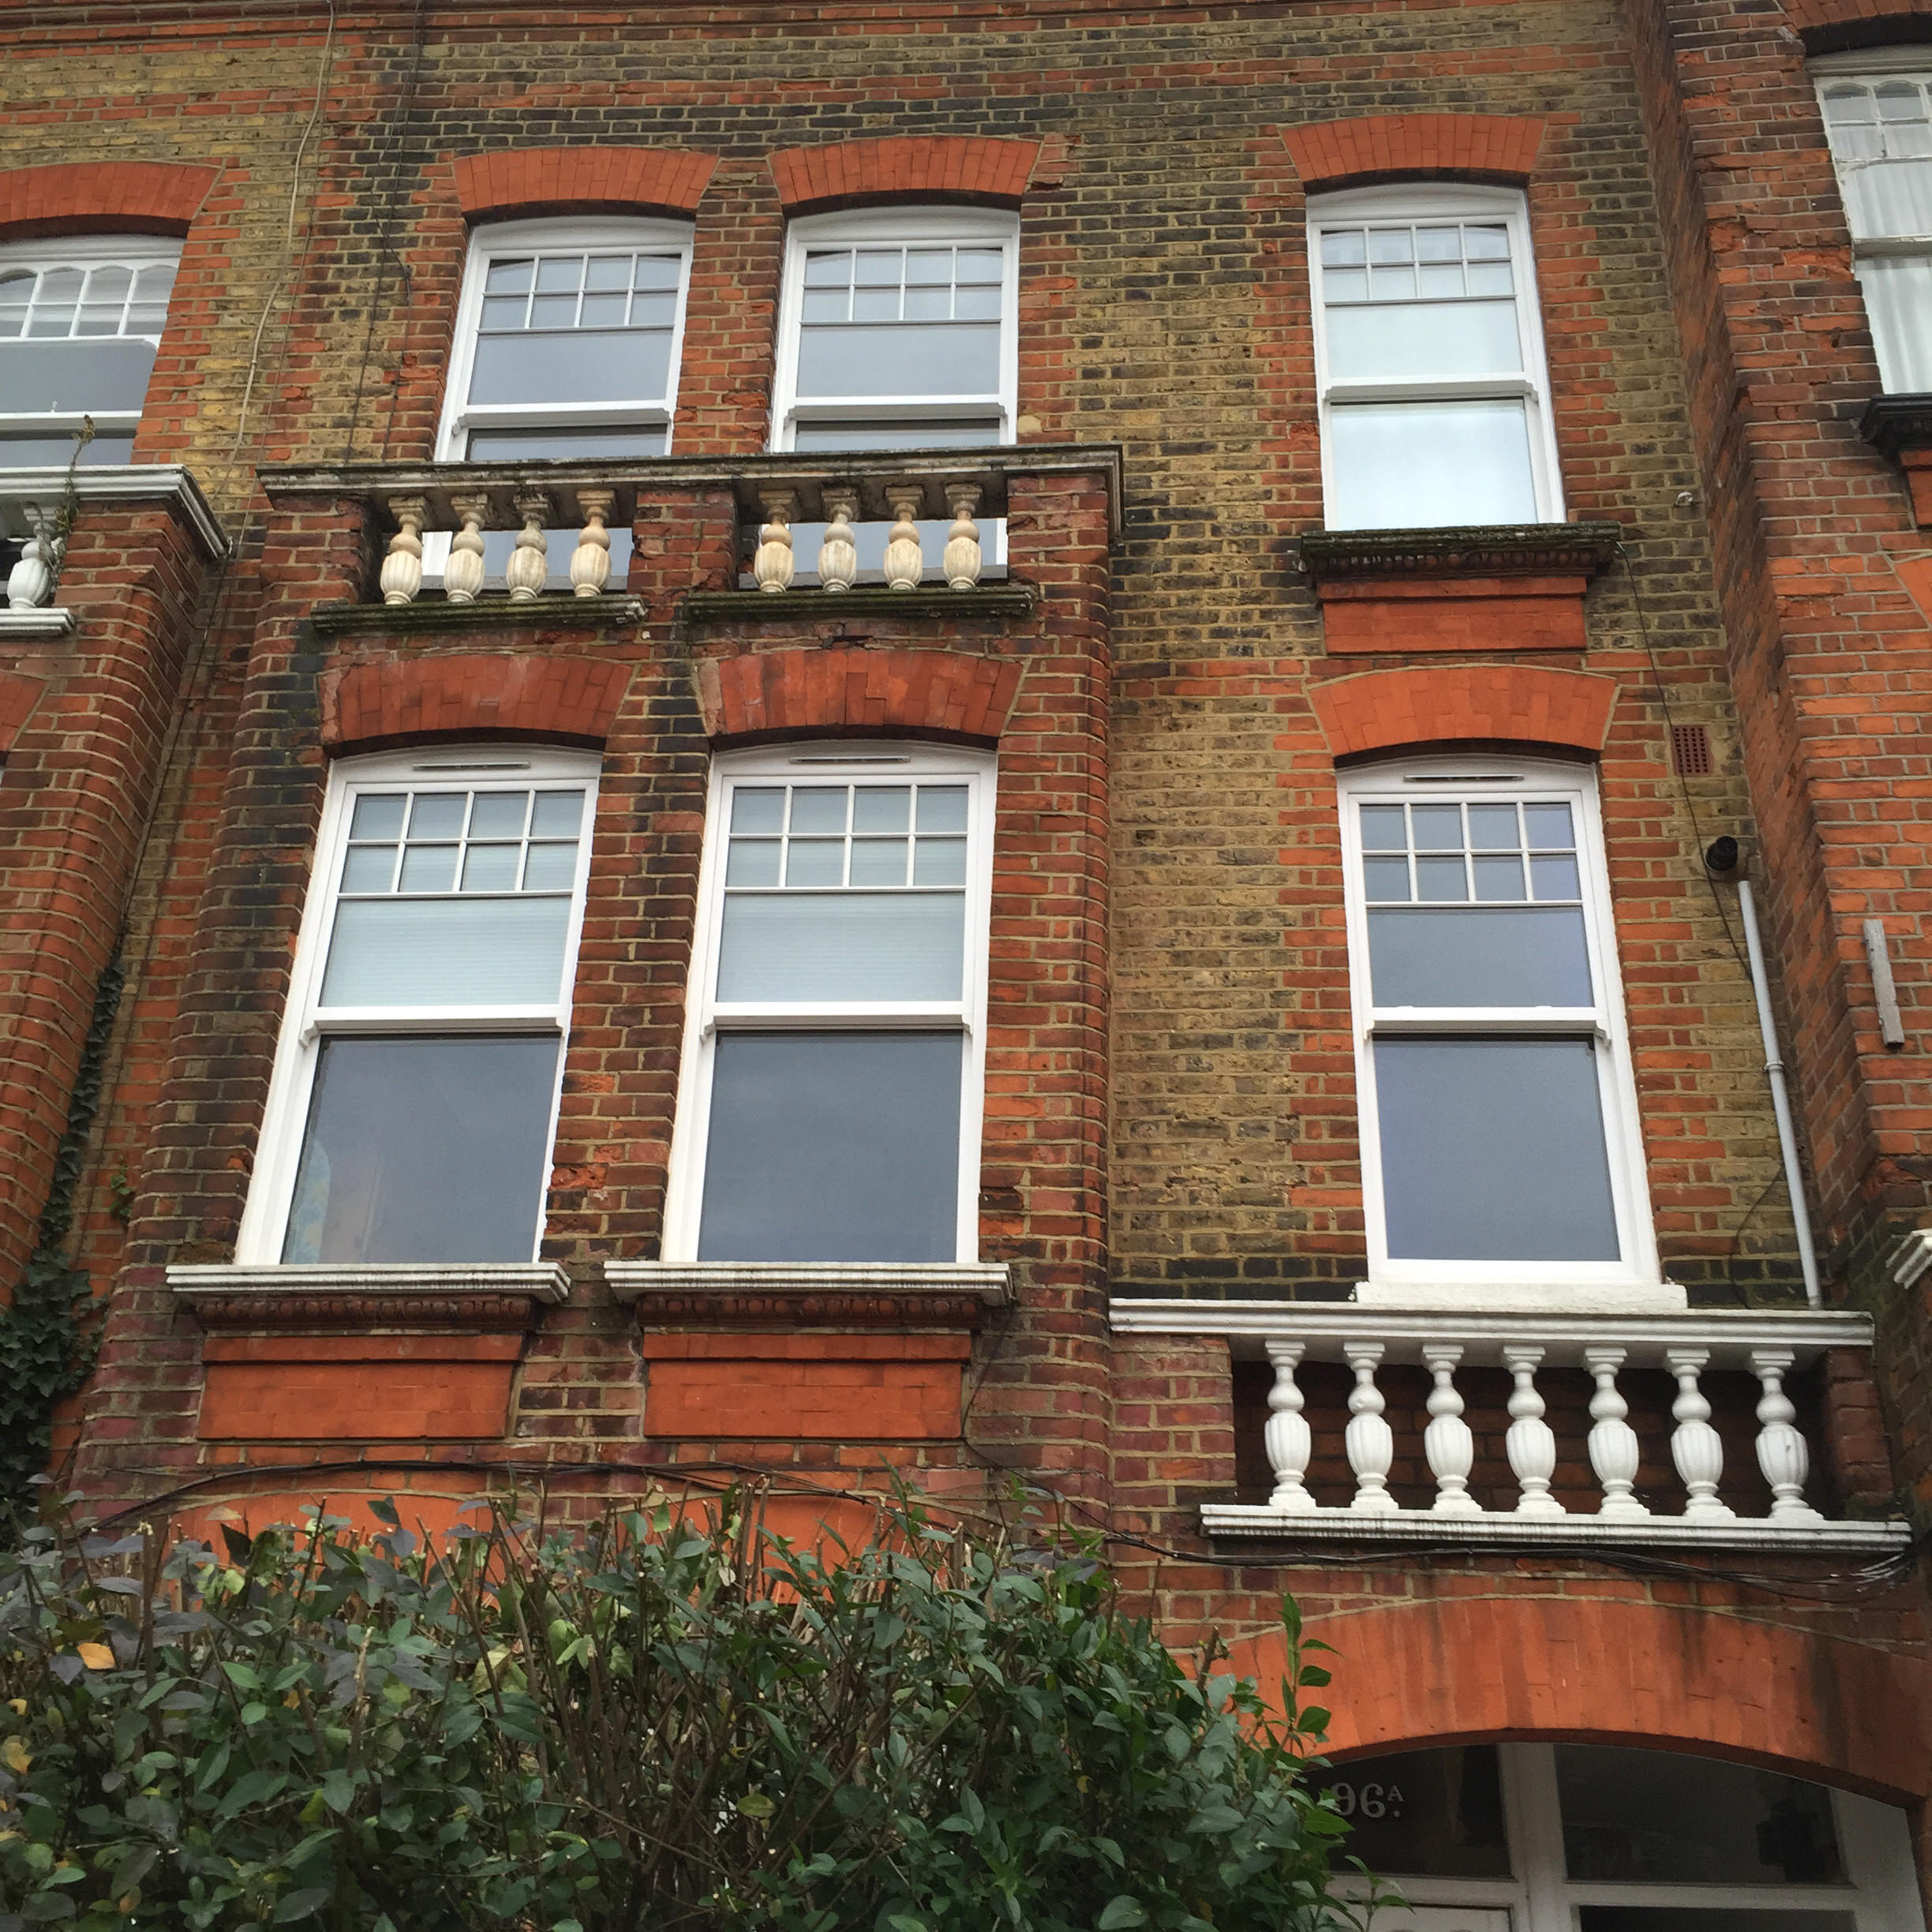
column 1124, row 1909
column 755, row 1805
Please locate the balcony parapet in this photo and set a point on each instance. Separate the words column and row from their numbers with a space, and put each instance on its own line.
column 1768, row 1346
column 771, row 493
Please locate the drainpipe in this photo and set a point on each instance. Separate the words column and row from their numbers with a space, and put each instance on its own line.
column 1774, row 1072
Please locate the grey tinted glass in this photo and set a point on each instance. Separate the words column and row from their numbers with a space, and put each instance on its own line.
column 1698, row 1919
column 582, row 365
column 423, row 1149
column 1659, row 1817
column 36, row 452
column 1492, row 1150
column 1499, row 956
column 554, row 445
column 974, row 432
column 109, row 372
column 901, row 359
column 1431, row 1813
column 832, row 1146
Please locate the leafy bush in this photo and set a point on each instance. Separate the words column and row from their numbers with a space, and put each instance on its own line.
column 666, row 1720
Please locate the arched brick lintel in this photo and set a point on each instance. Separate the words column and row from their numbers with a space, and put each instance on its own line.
column 394, row 702
column 507, row 181
column 19, row 694
column 1383, row 710
column 102, row 197
column 1331, row 154
column 904, row 168
column 1448, row 1670
column 1830, row 26
column 795, row 694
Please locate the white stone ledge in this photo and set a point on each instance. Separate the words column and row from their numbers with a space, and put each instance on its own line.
column 1493, row 1530
column 36, row 624
column 47, row 488
column 988, row 1282
column 215, row 1285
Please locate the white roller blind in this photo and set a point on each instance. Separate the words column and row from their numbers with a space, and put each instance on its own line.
column 455, row 952
column 846, row 945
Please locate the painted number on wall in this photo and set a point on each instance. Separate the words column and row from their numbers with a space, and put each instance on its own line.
column 1369, row 1801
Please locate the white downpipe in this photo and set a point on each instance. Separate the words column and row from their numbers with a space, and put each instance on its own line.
column 1781, row 1100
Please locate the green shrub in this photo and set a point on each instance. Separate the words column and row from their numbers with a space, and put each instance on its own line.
column 664, row 1721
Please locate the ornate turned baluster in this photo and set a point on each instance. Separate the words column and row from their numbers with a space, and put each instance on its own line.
column 463, row 575
column 30, row 583
column 1368, row 1438
column 591, row 562
column 1531, row 1442
column 1448, row 1443
column 1782, row 1453
column 1615, row 1453
column 1288, row 1441
column 529, row 568
column 838, row 556
column 1696, row 1447
column 961, row 562
column 403, row 568
column 905, row 563
column 774, row 565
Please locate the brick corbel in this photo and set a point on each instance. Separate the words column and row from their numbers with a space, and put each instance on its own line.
column 926, row 167
column 508, row 181
column 388, row 700
column 102, row 197
column 1525, row 704
column 1332, row 154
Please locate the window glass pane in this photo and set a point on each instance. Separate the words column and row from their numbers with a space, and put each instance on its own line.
column 882, row 808
column 369, row 868
column 556, row 446
column 550, row 867
column 753, row 862
column 491, row 868
column 898, row 359
column 1701, row 1919
column 44, row 452
column 1383, row 828
column 816, row 862
column 1490, row 955
column 1412, row 341
column 451, row 952
column 1492, row 1150
column 423, row 1149
column 908, row 433
column 428, row 869
column 1419, row 465
column 1898, row 303
column 1430, row 1813
column 1436, row 828
column 939, row 862
column 1441, row 879
column 577, row 365
column 942, row 808
column 882, row 862
column 832, row 1146
column 1548, row 825
column 757, row 808
column 843, row 945
column 378, row 815
column 1660, row 1817
column 498, row 814
column 819, row 809
column 1386, row 878
column 67, row 376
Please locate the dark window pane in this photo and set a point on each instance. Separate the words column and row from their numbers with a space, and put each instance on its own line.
column 1492, row 1150
column 559, row 445
column 425, row 1150
column 928, row 358
column 108, row 373
column 1698, row 1918
column 1431, row 1813
column 576, row 365
column 832, row 1146
column 1528, row 955
column 1660, row 1817
column 920, row 433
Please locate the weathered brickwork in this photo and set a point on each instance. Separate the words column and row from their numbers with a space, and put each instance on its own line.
column 1170, row 1100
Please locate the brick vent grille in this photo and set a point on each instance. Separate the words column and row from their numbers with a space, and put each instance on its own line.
column 1690, row 751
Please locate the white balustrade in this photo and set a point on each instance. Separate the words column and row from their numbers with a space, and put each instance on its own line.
column 529, row 568
column 30, row 583
column 838, row 556
column 1511, row 1361
column 960, row 564
column 463, row 575
column 591, row 562
column 774, row 564
column 905, row 559
column 403, row 568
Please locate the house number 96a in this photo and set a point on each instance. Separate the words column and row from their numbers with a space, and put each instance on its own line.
column 1370, row 1801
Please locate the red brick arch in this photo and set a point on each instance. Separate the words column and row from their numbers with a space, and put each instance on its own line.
column 906, row 168
column 393, row 702
column 1828, row 24
column 1328, row 154
column 1382, row 710
column 18, row 696
column 102, row 197
column 1441, row 1670
column 791, row 694
column 544, row 181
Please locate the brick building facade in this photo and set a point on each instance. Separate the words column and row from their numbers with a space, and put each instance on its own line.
column 1366, row 462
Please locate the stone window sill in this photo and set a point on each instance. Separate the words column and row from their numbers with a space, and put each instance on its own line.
column 465, row 1294
column 815, row 1294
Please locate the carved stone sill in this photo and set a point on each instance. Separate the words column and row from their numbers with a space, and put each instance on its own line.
column 1502, row 550
column 1004, row 603
column 827, row 1294
column 36, row 625
column 556, row 610
column 491, row 1296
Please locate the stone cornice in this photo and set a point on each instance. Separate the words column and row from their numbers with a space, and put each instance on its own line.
column 470, row 1295
column 436, row 616
column 169, row 483
column 827, row 1295
column 1893, row 424
column 1499, row 550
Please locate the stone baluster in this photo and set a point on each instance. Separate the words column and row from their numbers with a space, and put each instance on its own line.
column 591, row 562
column 1696, row 1447
column 1531, row 1443
column 774, row 564
column 30, row 583
column 402, row 569
column 961, row 564
column 1781, row 1452
column 838, row 556
column 1287, row 1437
column 463, row 575
column 1615, row 1452
column 529, row 568
column 1368, row 1438
column 1448, row 1442
column 905, row 563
